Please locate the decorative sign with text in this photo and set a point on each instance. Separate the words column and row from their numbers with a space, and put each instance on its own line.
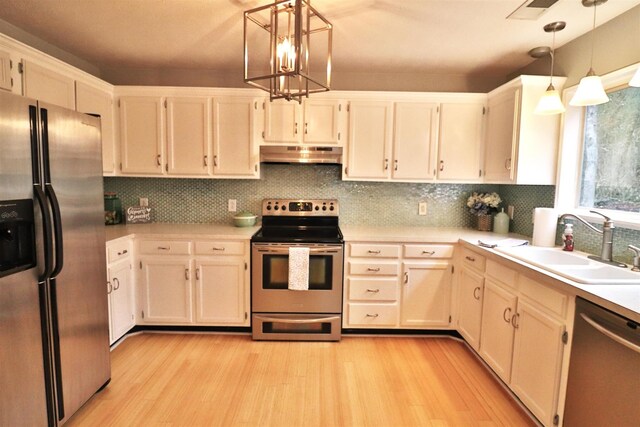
column 138, row 215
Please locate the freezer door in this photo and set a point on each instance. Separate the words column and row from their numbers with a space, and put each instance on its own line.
column 23, row 399
column 72, row 166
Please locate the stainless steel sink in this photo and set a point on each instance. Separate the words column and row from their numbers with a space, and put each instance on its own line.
column 573, row 265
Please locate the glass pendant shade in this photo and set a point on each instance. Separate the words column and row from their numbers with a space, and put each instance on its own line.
column 635, row 80
column 550, row 102
column 590, row 91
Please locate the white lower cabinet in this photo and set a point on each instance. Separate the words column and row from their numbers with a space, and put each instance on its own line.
column 523, row 338
column 166, row 290
column 470, row 294
column 220, row 291
column 397, row 286
column 120, row 288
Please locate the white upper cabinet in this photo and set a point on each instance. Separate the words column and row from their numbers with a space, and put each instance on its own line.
column 141, row 135
column 370, row 136
column 460, row 144
column 315, row 122
column 47, row 85
column 188, row 136
column 520, row 146
column 414, row 141
column 92, row 100
column 5, row 71
column 235, row 152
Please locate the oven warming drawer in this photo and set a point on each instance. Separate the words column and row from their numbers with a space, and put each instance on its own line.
column 296, row 326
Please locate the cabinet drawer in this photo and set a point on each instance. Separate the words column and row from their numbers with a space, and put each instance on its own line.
column 501, row 273
column 374, row 250
column 118, row 251
column 165, row 247
column 373, row 314
column 205, row 247
column 428, row 251
column 374, row 268
column 544, row 296
column 473, row 260
column 373, row 289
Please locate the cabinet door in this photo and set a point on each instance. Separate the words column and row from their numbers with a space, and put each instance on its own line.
column 414, row 141
column 496, row 336
column 235, row 152
column 49, row 86
column 470, row 306
column 282, row 122
column 537, row 360
column 188, row 136
column 121, row 299
column 141, row 135
column 5, row 71
column 166, row 288
column 322, row 121
column 95, row 101
column 426, row 294
column 220, row 292
column 501, row 139
column 461, row 127
column 370, row 131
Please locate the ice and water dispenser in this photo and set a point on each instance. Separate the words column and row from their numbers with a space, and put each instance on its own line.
column 17, row 236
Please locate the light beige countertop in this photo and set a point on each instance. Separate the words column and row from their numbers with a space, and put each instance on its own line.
column 180, row 231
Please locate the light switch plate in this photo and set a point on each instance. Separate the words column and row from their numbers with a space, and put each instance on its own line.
column 232, row 205
column 422, row 208
column 144, row 201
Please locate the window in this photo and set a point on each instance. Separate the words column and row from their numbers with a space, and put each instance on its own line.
column 610, row 177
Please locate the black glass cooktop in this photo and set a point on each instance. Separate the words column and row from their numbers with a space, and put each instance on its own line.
column 299, row 230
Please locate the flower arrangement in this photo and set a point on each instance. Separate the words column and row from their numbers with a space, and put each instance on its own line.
column 483, row 203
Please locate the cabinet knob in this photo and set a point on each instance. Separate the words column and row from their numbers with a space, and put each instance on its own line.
column 386, row 164
column 109, row 288
column 206, row 160
column 514, row 320
column 158, row 160
column 441, row 165
column 476, row 293
column 406, row 277
column 506, row 315
column 186, row 274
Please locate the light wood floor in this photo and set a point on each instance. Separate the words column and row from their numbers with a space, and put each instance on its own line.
column 230, row 380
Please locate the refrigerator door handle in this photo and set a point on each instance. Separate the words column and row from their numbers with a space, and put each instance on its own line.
column 51, row 194
column 40, row 197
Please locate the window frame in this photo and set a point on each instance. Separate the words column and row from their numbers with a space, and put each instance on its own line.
column 570, row 156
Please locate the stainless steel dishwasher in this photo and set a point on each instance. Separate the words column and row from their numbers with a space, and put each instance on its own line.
column 604, row 371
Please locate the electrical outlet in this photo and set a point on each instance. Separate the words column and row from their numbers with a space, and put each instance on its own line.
column 144, row 201
column 422, row 208
column 232, row 205
column 510, row 211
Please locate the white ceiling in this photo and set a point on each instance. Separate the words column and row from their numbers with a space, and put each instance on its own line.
column 469, row 37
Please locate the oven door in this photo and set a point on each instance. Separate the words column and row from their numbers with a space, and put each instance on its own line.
column 270, row 276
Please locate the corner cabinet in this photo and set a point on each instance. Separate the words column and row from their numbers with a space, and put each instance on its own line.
column 120, row 288
column 44, row 84
column 470, row 296
column 398, row 286
column 521, row 146
column 92, row 100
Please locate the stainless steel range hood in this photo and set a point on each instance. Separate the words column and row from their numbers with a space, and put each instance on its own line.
column 300, row 154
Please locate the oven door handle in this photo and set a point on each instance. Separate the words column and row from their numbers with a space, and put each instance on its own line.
column 298, row 321
column 311, row 250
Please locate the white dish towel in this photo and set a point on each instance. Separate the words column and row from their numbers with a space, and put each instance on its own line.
column 298, row 269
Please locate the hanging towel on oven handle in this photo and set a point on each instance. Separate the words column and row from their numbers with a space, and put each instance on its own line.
column 298, row 269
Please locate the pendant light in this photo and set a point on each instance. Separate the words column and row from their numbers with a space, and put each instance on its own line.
column 287, row 49
column 550, row 103
column 590, row 90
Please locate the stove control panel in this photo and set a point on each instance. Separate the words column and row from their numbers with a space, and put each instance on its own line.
column 302, row 207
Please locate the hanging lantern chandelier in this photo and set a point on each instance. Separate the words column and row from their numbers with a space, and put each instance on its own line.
column 287, row 49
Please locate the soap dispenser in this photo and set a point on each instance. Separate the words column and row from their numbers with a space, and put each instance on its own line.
column 501, row 223
column 567, row 238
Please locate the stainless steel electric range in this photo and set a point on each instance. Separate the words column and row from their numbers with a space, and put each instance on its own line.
column 279, row 313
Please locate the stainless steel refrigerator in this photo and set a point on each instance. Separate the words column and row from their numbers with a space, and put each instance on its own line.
column 54, row 337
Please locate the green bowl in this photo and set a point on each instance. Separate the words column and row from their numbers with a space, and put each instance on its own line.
column 244, row 219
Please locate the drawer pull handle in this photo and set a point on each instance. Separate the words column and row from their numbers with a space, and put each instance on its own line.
column 109, row 288
column 164, row 248
column 406, row 277
column 123, row 252
column 198, row 273
column 373, row 269
column 158, row 162
column 373, row 252
column 217, row 249
column 116, row 284
column 468, row 258
column 476, row 293
column 372, row 315
column 428, row 253
column 373, row 291
column 506, row 315
column 186, row 274
column 514, row 320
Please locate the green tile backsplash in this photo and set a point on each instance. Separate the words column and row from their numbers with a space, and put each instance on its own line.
column 361, row 203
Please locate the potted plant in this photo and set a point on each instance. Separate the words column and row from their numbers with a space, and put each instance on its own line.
column 483, row 205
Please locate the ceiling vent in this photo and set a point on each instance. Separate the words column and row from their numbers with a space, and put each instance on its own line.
column 532, row 9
